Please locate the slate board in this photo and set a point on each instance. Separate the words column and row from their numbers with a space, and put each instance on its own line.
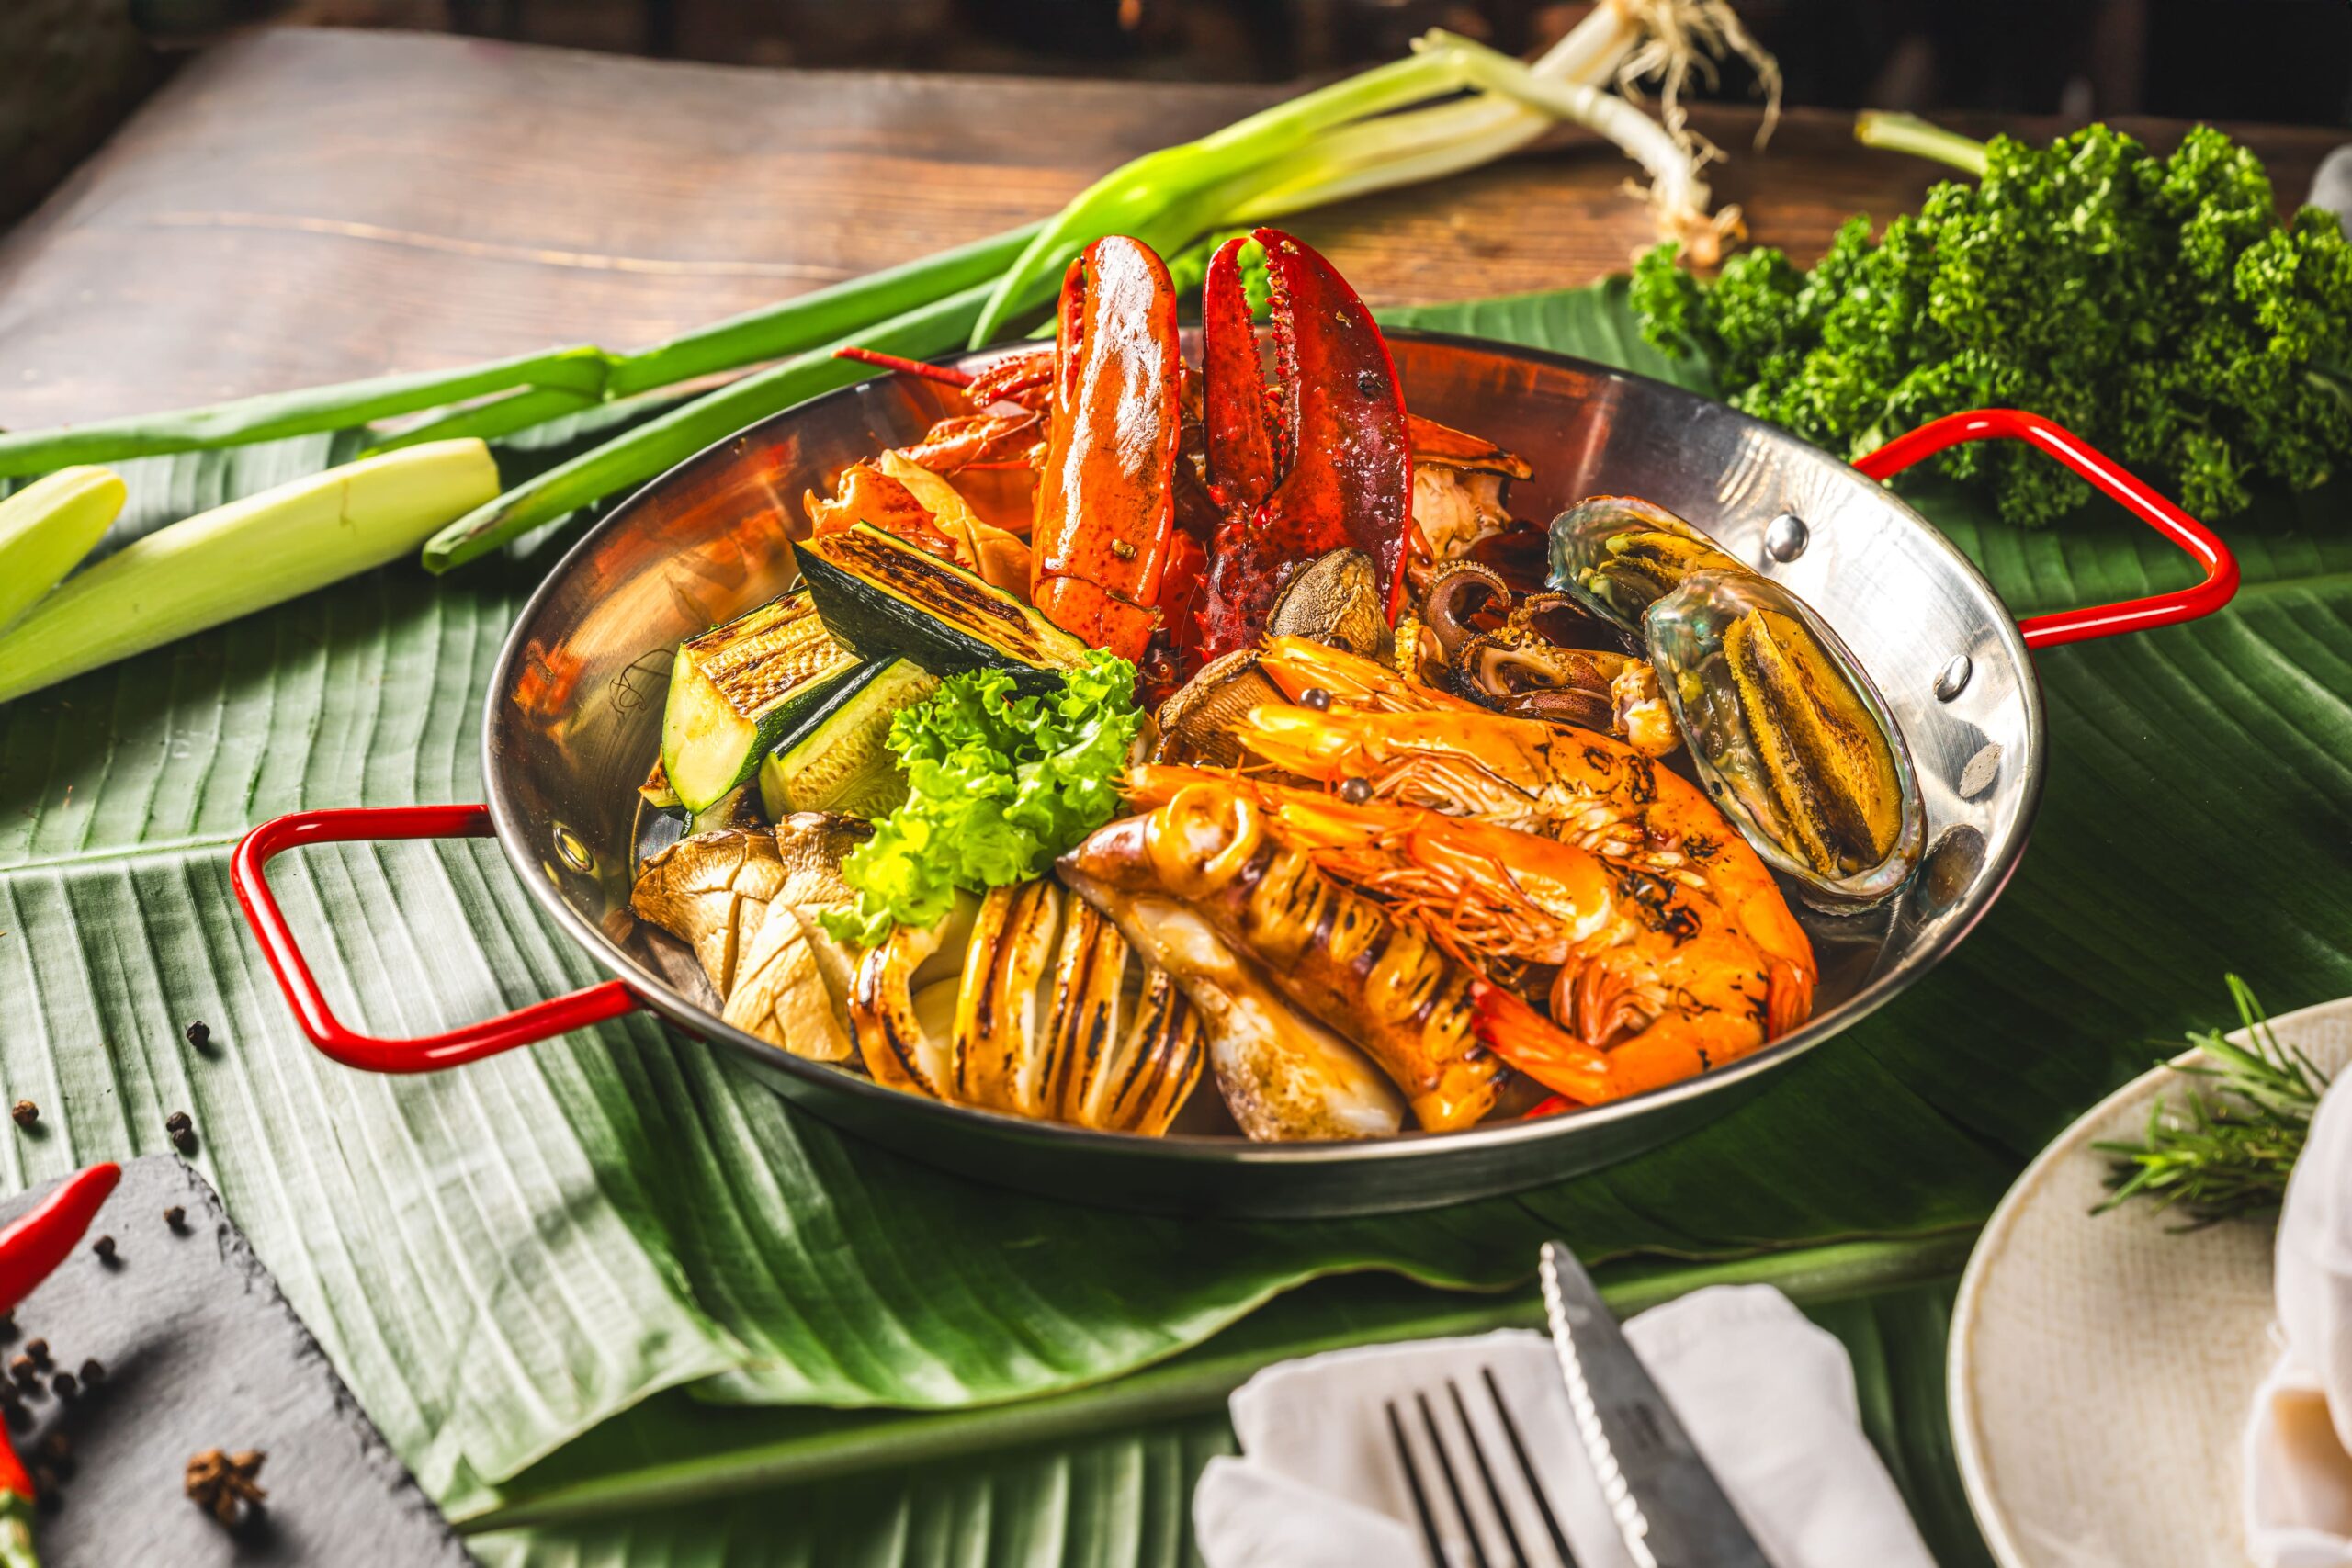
column 201, row 1351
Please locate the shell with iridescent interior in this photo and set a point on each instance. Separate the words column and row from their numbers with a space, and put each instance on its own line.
column 1620, row 554
column 1789, row 735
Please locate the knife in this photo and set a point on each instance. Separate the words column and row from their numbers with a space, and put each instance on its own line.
column 1667, row 1503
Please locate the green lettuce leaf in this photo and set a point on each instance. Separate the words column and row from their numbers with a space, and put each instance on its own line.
column 999, row 784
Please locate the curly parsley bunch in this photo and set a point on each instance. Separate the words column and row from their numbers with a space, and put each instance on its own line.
column 2155, row 306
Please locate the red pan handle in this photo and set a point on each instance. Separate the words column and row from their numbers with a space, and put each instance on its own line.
column 540, row 1021
column 2111, row 479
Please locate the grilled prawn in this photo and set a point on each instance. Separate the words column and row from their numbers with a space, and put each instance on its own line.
column 1651, row 972
column 1419, row 745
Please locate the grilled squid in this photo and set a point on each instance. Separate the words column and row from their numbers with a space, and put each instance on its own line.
column 1048, row 1016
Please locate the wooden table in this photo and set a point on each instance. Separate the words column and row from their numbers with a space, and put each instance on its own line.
column 311, row 205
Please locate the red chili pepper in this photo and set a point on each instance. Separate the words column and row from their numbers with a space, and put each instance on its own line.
column 1552, row 1106
column 31, row 1250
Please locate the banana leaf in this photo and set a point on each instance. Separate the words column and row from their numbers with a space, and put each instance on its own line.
column 502, row 1259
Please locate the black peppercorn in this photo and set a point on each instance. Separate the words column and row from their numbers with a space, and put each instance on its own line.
column 1355, row 792
column 199, row 1036
column 94, row 1372
column 15, row 1414
column 103, row 1248
column 26, row 1112
column 64, row 1384
column 38, row 1350
column 175, row 1217
column 1315, row 697
column 21, row 1367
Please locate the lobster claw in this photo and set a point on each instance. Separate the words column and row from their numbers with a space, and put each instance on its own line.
column 1106, row 498
column 1334, row 471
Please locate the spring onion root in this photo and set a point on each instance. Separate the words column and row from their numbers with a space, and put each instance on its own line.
column 47, row 527
column 244, row 557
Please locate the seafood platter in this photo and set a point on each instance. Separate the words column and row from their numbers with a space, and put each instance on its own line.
column 1510, row 761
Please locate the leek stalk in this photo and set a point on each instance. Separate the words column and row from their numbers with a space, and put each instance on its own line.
column 47, row 527
column 244, row 557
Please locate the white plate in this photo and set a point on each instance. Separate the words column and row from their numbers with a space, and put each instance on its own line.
column 2101, row 1366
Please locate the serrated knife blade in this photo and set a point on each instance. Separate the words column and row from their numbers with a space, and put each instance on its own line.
column 1666, row 1502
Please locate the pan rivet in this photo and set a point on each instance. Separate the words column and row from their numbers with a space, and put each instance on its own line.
column 1954, row 680
column 1785, row 536
column 1980, row 771
column 571, row 852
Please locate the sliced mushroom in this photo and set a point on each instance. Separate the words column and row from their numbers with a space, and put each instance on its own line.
column 1196, row 725
column 712, row 891
column 747, row 901
column 793, row 989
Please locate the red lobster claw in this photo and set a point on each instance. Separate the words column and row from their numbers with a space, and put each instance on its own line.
column 1106, row 498
column 1346, row 463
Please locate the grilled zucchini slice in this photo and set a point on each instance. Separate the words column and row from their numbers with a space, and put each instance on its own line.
column 886, row 598
column 736, row 691
column 837, row 759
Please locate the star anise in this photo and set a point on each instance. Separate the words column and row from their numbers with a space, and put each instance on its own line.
column 220, row 1484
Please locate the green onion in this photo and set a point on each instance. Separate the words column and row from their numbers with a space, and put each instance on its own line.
column 821, row 317
column 244, row 557
column 1909, row 133
column 535, row 386
column 492, row 418
column 47, row 527
column 304, row 412
column 670, row 438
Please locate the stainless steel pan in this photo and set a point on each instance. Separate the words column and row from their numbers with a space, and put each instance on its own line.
column 574, row 713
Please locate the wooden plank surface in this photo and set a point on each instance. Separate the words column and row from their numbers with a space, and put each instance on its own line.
column 300, row 206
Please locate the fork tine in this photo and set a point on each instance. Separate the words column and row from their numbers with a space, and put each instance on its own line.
column 1487, row 1474
column 1452, row 1484
column 1527, row 1470
column 1413, row 1484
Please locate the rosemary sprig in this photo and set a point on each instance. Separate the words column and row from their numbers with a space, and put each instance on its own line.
column 2224, row 1150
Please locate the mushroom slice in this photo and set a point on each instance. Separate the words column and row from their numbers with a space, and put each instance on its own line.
column 712, row 891
column 1196, row 723
column 1127, row 1047
column 1285, row 1077
column 782, row 992
column 812, row 845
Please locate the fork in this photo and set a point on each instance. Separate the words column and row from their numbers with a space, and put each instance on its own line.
column 1428, row 1500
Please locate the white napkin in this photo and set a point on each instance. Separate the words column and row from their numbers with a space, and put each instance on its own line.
column 2297, row 1469
column 1767, row 1398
